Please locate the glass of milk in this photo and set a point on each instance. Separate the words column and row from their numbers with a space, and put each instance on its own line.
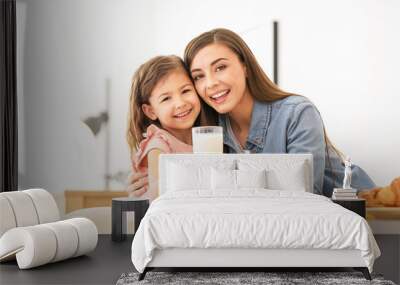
column 207, row 139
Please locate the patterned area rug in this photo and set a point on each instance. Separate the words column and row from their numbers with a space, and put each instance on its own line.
column 230, row 278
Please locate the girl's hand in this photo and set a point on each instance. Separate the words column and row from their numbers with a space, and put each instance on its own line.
column 138, row 183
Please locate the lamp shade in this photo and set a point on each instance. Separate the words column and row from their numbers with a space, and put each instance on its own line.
column 95, row 122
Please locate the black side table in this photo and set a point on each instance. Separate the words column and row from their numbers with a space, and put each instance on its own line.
column 355, row 205
column 118, row 217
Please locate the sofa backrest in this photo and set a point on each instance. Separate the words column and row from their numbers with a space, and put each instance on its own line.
column 283, row 168
column 26, row 208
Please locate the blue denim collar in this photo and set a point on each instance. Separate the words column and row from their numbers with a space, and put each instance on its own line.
column 260, row 118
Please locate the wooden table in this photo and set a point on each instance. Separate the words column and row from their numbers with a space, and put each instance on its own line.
column 383, row 213
column 78, row 199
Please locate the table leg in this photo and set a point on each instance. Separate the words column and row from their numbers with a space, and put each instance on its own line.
column 117, row 222
column 140, row 211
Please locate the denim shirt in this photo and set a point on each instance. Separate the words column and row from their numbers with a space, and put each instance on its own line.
column 294, row 125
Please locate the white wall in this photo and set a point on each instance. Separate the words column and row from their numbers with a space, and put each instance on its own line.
column 340, row 54
column 70, row 49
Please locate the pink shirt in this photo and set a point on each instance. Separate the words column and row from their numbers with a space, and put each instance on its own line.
column 160, row 139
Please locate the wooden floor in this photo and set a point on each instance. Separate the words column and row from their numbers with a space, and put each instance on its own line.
column 102, row 266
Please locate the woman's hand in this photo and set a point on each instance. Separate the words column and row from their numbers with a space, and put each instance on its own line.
column 138, row 183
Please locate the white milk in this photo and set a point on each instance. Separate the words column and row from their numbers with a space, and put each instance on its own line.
column 207, row 143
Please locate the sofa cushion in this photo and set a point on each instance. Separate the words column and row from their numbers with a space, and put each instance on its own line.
column 40, row 244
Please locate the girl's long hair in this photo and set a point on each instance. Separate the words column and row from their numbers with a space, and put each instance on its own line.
column 260, row 86
column 144, row 81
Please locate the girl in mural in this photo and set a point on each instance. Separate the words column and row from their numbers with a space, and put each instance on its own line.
column 256, row 115
column 163, row 108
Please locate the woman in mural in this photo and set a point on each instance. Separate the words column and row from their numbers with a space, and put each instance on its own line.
column 256, row 115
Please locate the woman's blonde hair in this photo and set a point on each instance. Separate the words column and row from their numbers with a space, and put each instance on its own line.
column 144, row 81
column 260, row 86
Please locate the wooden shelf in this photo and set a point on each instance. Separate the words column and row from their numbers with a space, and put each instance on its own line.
column 383, row 213
column 78, row 199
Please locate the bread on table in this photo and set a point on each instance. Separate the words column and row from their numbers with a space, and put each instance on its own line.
column 388, row 196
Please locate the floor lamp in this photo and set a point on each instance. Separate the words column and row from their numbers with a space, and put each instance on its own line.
column 95, row 123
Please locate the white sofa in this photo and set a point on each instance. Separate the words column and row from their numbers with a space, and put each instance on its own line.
column 31, row 230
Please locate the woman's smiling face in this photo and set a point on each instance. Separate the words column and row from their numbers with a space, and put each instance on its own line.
column 219, row 77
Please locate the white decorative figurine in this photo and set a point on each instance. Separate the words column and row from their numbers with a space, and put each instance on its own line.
column 346, row 192
column 347, row 174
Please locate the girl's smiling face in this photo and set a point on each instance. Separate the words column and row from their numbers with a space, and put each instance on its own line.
column 219, row 77
column 174, row 102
